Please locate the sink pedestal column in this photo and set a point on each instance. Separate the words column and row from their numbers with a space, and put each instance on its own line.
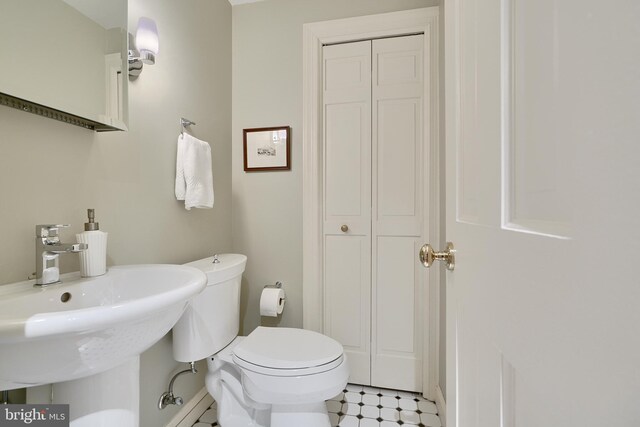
column 108, row 399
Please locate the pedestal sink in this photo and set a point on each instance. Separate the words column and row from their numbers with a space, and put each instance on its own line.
column 86, row 327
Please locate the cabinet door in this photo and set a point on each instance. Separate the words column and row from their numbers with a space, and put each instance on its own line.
column 398, row 220
column 347, row 202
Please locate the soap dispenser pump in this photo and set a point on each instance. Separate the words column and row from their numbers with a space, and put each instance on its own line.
column 93, row 261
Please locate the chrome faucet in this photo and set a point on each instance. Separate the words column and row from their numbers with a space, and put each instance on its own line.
column 48, row 249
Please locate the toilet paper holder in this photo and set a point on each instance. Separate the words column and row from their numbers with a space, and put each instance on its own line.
column 277, row 285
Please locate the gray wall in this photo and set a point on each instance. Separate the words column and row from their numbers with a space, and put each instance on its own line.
column 53, row 172
column 267, row 91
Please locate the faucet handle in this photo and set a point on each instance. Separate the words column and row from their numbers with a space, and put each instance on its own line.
column 49, row 230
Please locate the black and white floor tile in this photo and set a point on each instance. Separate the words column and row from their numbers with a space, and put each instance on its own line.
column 362, row 406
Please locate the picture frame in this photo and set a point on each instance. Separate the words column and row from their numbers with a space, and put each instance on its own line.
column 267, row 149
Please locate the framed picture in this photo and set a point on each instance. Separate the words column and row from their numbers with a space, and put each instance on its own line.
column 267, row 149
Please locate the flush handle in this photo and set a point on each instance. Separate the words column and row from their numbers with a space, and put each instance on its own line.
column 428, row 256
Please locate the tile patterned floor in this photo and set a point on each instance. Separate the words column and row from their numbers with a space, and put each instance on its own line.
column 361, row 406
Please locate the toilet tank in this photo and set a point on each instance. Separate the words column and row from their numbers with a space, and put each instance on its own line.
column 212, row 319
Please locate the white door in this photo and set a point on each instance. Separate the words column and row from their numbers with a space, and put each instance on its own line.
column 347, row 202
column 398, row 220
column 543, row 198
column 374, row 207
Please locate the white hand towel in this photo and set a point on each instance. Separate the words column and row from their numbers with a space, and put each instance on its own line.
column 181, row 186
column 194, row 177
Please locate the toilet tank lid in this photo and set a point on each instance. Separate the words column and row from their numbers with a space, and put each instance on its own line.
column 230, row 266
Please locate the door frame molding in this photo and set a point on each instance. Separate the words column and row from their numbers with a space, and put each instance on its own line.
column 315, row 35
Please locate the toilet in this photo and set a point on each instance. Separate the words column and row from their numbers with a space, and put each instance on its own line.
column 274, row 377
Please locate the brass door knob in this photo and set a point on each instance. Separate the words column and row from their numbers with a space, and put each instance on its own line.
column 344, row 228
column 428, row 256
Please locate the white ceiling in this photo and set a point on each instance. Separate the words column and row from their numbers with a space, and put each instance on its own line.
column 109, row 14
column 237, row 2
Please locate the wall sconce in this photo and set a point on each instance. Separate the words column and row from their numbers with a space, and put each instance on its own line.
column 146, row 46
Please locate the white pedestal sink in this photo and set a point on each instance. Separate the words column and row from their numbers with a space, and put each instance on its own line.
column 87, row 334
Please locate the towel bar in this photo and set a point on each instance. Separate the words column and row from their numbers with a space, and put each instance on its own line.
column 184, row 123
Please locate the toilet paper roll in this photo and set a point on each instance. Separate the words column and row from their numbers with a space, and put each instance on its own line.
column 272, row 302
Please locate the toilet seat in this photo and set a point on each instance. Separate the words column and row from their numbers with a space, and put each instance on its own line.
column 287, row 352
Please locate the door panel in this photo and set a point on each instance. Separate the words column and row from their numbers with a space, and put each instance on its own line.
column 344, row 174
column 347, row 138
column 397, row 228
column 347, row 296
column 536, row 197
column 347, row 202
column 476, row 202
column 397, row 342
column 398, row 147
column 541, row 172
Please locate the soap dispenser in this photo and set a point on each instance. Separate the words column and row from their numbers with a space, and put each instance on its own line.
column 93, row 261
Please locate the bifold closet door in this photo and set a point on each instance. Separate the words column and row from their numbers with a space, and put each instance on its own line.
column 347, row 202
column 398, row 220
column 373, row 177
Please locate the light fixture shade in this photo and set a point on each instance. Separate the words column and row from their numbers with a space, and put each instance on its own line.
column 147, row 40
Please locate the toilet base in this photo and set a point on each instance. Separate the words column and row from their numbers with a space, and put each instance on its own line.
column 237, row 407
column 309, row 415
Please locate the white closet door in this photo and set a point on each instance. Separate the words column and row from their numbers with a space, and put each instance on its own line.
column 398, row 218
column 347, row 202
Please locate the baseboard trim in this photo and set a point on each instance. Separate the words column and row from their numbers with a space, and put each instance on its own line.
column 191, row 411
column 442, row 407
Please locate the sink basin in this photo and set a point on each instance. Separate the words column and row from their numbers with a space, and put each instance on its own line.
column 85, row 326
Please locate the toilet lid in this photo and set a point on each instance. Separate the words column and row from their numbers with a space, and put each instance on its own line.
column 287, row 348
